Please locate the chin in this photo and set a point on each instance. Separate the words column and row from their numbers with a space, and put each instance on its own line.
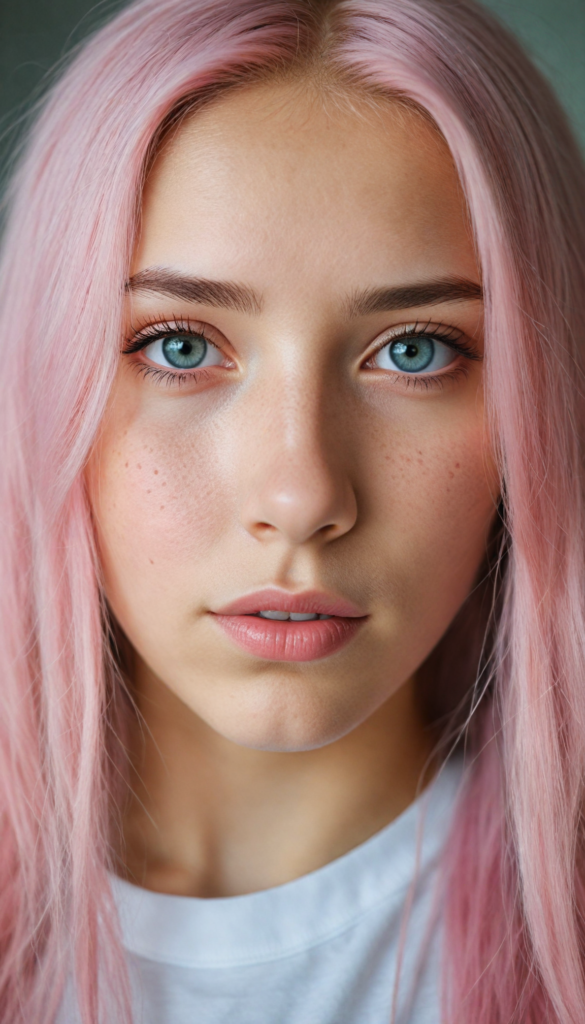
column 288, row 729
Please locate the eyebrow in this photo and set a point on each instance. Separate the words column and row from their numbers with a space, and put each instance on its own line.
column 243, row 299
column 429, row 293
column 222, row 294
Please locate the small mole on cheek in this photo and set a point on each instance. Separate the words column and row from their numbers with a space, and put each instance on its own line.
column 151, row 561
column 156, row 472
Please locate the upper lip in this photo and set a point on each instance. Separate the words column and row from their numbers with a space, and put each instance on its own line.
column 308, row 601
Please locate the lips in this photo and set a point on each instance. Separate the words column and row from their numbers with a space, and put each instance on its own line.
column 277, row 640
column 309, row 601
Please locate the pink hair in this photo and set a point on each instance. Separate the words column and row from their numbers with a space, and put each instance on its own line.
column 514, row 893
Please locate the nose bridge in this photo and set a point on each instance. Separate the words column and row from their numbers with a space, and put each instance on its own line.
column 300, row 486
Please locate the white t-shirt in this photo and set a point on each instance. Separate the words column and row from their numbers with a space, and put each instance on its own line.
column 322, row 949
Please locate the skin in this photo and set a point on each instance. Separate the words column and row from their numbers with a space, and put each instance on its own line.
column 295, row 462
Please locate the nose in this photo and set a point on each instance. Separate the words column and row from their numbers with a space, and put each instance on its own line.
column 298, row 484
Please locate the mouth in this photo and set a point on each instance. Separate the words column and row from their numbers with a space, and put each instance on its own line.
column 276, row 625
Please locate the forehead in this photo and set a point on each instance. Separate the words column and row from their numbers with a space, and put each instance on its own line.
column 277, row 177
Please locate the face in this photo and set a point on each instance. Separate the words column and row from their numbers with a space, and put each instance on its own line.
column 297, row 423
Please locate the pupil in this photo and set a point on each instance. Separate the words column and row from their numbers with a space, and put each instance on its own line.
column 183, row 352
column 414, row 355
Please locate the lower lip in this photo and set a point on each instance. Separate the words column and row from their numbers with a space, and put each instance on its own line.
column 276, row 640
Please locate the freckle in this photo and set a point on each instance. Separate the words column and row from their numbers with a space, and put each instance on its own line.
column 149, row 492
column 151, row 561
column 161, row 508
column 126, row 466
column 156, row 472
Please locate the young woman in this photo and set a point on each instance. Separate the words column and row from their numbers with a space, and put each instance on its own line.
column 292, row 526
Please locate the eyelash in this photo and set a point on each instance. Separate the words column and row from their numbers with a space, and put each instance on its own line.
column 443, row 333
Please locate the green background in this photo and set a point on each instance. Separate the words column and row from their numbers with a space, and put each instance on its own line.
column 36, row 34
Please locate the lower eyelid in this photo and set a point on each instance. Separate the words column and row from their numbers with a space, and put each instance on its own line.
column 161, row 375
column 423, row 382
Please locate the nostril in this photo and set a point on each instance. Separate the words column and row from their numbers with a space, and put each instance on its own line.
column 264, row 529
column 329, row 528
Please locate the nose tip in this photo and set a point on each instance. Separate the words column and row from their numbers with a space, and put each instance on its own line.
column 300, row 507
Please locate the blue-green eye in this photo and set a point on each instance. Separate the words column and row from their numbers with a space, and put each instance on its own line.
column 414, row 354
column 183, row 352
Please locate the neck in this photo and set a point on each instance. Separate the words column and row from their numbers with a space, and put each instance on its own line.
column 206, row 817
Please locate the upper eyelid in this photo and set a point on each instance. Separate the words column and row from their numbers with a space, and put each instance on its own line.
column 432, row 328
column 416, row 328
column 150, row 332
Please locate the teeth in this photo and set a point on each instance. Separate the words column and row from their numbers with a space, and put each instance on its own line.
column 293, row 616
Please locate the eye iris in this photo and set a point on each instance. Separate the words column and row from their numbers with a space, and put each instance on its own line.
column 413, row 355
column 185, row 351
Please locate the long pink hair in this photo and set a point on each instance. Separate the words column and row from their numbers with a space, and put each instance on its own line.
column 514, row 895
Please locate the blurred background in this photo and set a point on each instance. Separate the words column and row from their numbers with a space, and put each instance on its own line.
column 36, row 34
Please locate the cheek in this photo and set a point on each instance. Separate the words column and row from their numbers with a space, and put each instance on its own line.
column 445, row 486
column 438, row 470
column 436, row 495
column 155, row 489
